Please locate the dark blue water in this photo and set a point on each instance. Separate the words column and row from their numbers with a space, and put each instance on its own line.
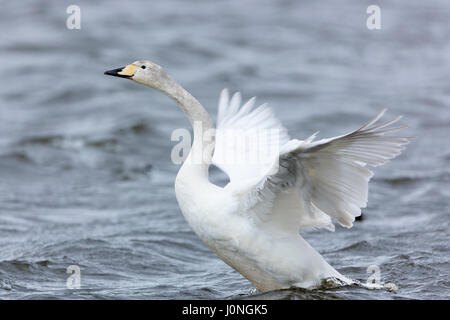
column 85, row 171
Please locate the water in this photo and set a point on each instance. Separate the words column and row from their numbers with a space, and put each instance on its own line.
column 85, row 171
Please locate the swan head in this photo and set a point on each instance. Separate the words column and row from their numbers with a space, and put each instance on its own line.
column 144, row 72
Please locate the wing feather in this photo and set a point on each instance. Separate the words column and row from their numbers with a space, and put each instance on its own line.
column 330, row 175
column 304, row 183
column 245, row 137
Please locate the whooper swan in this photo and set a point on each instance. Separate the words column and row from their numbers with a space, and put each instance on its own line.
column 253, row 222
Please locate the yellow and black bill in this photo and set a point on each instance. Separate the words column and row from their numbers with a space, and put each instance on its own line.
column 125, row 72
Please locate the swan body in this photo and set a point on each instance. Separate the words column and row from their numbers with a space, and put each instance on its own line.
column 253, row 222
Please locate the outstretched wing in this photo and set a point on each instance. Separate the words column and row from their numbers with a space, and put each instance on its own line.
column 294, row 183
column 247, row 139
column 327, row 178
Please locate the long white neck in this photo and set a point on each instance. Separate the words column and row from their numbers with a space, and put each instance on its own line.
column 201, row 151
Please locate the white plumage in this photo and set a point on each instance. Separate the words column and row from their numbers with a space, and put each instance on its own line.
column 277, row 186
column 329, row 177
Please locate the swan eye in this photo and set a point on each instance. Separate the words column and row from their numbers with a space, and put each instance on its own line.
column 143, row 67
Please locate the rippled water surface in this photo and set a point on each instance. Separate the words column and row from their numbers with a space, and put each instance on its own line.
column 85, row 171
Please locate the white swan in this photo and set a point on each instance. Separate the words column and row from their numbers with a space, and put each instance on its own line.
column 253, row 222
